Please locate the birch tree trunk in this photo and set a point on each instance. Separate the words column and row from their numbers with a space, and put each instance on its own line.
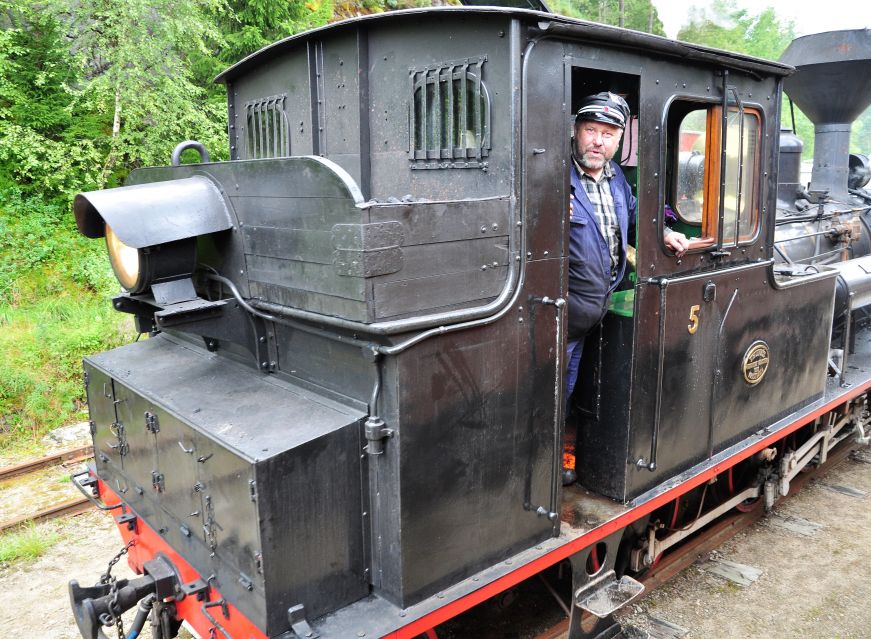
column 112, row 159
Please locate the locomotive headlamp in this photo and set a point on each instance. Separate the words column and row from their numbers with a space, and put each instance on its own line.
column 151, row 229
column 139, row 268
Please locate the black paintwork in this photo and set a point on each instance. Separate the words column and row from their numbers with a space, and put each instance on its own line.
column 238, row 467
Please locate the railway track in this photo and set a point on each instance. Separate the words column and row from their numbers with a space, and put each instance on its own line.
column 61, row 509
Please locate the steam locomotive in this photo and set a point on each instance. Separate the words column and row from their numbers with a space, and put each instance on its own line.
column 348, row 419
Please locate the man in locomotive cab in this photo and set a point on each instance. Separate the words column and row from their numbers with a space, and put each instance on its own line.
column 602, row 211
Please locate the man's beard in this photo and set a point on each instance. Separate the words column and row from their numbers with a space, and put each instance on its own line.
column 593, row 162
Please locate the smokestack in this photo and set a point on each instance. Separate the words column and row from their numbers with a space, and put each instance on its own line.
column 832, row 87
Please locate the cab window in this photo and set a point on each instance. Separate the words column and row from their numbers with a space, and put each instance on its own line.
column 708, row 212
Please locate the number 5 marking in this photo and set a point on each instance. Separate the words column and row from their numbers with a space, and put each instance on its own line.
column 694, row 318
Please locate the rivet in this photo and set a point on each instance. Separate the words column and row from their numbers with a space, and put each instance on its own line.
column 495, row 227
column 483, row 229
column 402, row 613
column 361, row 634
column 529, row 254
column 546, row 253
column 484, row 267
column 495, row 264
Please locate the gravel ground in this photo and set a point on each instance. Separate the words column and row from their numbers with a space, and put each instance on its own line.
column 34, row 603
column 813, row 587
column 810, row 586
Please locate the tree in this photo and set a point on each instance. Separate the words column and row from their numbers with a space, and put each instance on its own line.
column 47, row 141
column 725, row 26
column 250, row 25
column 639, row 15
column 134, row 57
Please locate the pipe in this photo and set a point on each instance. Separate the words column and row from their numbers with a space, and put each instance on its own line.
column 142, row 612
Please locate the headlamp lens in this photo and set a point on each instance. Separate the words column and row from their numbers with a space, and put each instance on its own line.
column 125, row 260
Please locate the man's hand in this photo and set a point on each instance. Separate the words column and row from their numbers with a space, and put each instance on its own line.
column 677, row 242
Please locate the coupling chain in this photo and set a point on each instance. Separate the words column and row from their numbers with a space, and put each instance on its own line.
column 107, row 576
column 114, row 615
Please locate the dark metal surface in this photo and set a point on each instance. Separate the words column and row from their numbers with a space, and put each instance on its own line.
column 220, row 460
column 150, row 214
column 831, row 83
column 832, row 87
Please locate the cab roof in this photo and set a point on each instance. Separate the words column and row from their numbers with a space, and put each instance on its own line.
column 545, row 22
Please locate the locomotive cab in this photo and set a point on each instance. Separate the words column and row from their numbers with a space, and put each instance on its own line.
column 682, row 365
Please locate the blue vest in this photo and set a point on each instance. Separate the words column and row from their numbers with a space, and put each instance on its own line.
column 590, row 283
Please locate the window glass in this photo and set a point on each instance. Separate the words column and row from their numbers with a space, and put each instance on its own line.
column 739, row 197
column 692, row 139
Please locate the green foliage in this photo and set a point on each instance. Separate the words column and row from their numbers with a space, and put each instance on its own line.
column 251, row 25
column 27, row 543
column 54, row 309
column 640, row 15
column 860, row 137
column 48, row 144
column 725, row 26
column 134, row 58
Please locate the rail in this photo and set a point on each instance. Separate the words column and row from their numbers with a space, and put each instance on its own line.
column 61, row 509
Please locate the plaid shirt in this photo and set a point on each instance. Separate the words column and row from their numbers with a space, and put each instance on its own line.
column 602, row 200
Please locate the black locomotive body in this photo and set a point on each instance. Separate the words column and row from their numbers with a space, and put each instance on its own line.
column 349, row 417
